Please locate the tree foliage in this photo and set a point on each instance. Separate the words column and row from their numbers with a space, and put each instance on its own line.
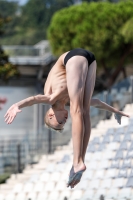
column 7, row 70
column 103, row 28
column 30, row 21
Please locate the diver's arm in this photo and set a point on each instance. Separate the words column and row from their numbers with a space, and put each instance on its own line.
column 34, row 100
column 15, row 108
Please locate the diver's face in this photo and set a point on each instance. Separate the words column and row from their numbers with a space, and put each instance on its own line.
column 57, row 119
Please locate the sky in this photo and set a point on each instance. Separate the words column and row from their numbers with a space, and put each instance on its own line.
column 21, row 2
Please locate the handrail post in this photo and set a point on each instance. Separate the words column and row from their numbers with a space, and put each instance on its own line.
column 105, row 93
column 131, row 89
column 49, row 141
column 19, row 158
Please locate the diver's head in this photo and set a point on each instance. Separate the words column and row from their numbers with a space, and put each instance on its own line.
column 56, row 118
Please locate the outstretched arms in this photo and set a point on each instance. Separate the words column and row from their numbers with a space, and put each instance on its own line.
column 34, row 100
column 104, row 106
column 15, row 108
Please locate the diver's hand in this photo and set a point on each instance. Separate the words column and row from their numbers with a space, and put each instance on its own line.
column 11, row 113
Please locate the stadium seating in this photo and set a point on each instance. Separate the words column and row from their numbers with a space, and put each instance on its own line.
column 31, row 196
column 53, row 195
column 65, row 193
column 20, row 196
column 112, row 193
column 42, row 196
column 125, row 193
column 88, row 195
column 10, row 197
column 109, row 170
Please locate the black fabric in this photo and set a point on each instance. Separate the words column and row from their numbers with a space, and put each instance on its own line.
column 80, row 52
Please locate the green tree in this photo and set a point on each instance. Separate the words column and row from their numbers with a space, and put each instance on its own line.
column 10, row 10
column 37, row 15
column 29, row 22
column 7, row 70
column 103, row 28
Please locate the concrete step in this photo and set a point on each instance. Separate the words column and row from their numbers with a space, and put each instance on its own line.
column 5, row 188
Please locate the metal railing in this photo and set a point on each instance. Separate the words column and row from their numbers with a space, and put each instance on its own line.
column 15, row 51
column 39, row 54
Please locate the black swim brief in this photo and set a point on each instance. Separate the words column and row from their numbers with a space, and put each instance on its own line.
column 80, row 52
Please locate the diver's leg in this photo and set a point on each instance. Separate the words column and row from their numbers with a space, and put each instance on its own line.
column 88, row 91
column 76, row 73
column 89, row 87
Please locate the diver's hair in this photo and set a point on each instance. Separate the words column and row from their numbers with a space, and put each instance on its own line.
column 47, row 125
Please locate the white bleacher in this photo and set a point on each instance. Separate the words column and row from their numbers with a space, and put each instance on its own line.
column 17, row 188
column 76, row 195
column 2, row 196
column 96, row 156
column 119, row 183
column 125, row 193
column 104, row 164
column 99, row 193
column 88, row 156
column 64, row 176
column 110, row 173
column 42, row 196
column 60, row 167
column 53, row 195
column 65, row 193
column 55, row 176
column 32, row 196
column 10, row 196
column 88, row 174
column 108, row 155
column 92, row 165
column 112, row 193
column 39, row 187
column 94, row 184
column 49, row 187
column 61, row 185
column 106, row 183
column 82, row 185
column 99, row 174
column 28, row 187
column 44, row 177
column 20, row 196
column 88, row 195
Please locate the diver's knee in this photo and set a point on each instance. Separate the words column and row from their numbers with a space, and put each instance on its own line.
column 86, row 111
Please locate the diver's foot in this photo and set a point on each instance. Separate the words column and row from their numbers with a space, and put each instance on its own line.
column 119, row 115
column 76, row 174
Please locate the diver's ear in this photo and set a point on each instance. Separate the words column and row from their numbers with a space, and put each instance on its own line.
column 50, row 115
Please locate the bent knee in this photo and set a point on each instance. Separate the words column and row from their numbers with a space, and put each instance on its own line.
column 86, row 107
column 76, row 111
column 86, row 111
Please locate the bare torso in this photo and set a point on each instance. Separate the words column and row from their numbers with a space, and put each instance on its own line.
column 56, row 84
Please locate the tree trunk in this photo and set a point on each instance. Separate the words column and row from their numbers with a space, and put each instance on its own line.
column 105, row 68
column 124, row 72
column 120, row 67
